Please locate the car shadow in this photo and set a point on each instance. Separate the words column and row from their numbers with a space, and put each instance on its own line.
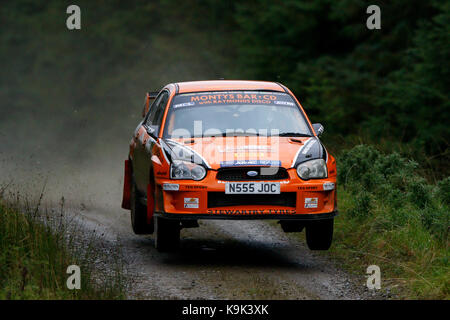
column 234, row 253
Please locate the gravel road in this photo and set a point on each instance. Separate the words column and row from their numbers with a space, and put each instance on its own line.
column 225, row 260
column 220, row 260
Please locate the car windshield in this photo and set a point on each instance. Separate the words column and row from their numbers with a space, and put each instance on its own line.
column 235, row 113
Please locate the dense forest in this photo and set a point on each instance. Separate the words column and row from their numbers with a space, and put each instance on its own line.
column 71, row 99
column 389, row 86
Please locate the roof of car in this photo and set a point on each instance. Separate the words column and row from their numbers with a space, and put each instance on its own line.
column 222, row 85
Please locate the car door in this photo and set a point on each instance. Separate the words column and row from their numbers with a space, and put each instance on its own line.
column 146, row 137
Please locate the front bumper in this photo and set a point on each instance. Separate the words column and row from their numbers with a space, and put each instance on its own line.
column 307, row 200
column 297, row 217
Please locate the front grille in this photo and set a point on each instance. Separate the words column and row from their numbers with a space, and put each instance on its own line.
column 220, row 199
column 240, row 173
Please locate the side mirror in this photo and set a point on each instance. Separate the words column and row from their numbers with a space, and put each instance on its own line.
column 318, row 128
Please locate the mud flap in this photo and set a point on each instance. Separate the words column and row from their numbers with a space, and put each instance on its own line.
column 127, row 186
column 150, row 203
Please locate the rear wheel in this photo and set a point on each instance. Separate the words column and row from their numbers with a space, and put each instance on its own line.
column 167, row 234
column 138, row 214
column 319, row 234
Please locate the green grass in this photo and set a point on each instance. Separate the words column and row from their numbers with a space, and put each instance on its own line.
column 413, row 262
column 391, row 217
column 35, row 251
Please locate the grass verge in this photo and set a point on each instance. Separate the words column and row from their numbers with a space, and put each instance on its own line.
column 391, row 217
column 37, row 247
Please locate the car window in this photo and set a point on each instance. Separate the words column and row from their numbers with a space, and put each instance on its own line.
column 160, row 108
column 219, row 113
column 157, row 109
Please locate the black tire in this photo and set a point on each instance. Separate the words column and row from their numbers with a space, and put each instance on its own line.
column 167, row 234
column 139, row 214
column 319, row 234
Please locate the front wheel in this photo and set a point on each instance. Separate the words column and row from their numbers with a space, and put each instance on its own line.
column 167, row 234
column 319, row 234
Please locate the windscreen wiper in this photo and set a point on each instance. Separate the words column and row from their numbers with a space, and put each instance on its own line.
column 239, row 134
column 208, row 135
column 229, row 134
column 292, row 134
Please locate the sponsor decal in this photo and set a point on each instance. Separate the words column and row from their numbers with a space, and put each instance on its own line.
column 194, row 187
column 233, row 97
column 236, row 163
column 248, row 148
column 312, row 149
column 171, row 187
column 286, row 103
column 191, row 203
column 308, row 146
column 311, row 202
column 186, row 104
column 307, row 188
column 251, row 212
column 298, row 152
column 327, row 186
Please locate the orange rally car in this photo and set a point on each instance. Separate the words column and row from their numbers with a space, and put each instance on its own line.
column 228, row 150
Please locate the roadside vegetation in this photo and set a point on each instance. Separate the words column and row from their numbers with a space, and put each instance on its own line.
column 388, row 88
column 36, row 247
column 391, row 217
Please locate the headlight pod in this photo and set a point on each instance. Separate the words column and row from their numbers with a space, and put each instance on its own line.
column 312, row 169
column 186, row 170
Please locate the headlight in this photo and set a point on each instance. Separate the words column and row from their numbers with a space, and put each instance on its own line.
column 313, row 169
column 186, row 170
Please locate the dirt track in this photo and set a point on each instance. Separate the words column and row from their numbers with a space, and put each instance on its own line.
column 225, row 260
column 220, row 260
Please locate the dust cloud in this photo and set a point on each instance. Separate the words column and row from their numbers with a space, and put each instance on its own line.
column 68, row 129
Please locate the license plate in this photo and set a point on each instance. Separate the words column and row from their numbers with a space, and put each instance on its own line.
column 252, row 188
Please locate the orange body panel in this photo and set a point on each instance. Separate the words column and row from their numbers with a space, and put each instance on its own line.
column 174, row 200
column 221, row 85
column 215, row 149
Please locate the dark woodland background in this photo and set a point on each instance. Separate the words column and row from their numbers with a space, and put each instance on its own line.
column 387, row 87
column 70, row 100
